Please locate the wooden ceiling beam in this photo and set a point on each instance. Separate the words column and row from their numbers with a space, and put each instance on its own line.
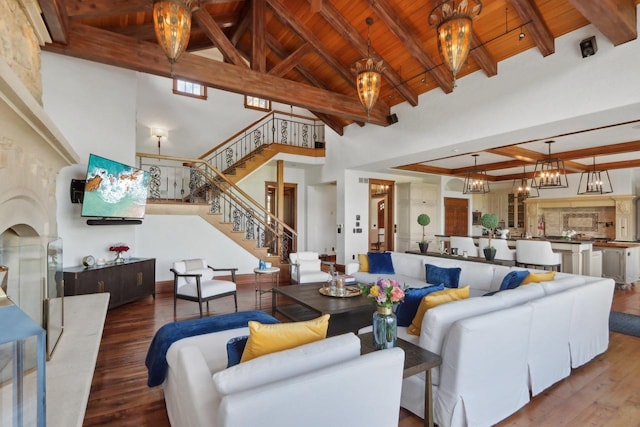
column 290, row 62
column 411, row 42
column 418, row 167
column 616, row 19
column 538, row 30
column 258, row 46
column 316, row 5
column 218, row 38
column 243, row 24
column 480, row 54
column 109, row 48
column 104, row 8
column 305, row 34
column 55, row 15
column 279, row 50
column 350, row 33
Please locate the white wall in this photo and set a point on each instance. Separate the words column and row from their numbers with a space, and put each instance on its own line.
column 94, row 107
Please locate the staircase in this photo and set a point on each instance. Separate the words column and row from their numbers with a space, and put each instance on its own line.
column 207, row 186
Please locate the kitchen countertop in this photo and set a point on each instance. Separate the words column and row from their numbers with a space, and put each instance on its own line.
column 549, row 239
column 615, row 245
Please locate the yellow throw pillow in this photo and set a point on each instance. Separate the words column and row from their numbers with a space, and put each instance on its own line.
column 539, row 277
column 435, row 299
column 265, row 339
column 363, row 259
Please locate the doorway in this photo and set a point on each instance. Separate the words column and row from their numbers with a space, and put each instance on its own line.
column 456, row 217
column 381, row 219
column 290, row 212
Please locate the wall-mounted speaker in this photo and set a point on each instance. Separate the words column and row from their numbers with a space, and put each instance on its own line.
column 393, row 118
column 77, row 190
column 588, row 47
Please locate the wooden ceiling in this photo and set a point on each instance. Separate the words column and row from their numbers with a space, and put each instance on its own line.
column 300, row 52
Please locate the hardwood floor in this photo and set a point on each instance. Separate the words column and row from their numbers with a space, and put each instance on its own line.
column 604, row 392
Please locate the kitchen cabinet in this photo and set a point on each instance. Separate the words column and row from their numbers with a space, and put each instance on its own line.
column 498, row 204
column 621, row 263
column 126, row 282
column 515, row 211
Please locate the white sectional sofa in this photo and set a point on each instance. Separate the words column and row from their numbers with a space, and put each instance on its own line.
column 499, row 349
column 325, row 383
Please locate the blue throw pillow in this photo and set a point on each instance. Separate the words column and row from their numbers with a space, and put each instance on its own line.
column 513, row 279
column 406, row 310
column 235, row 348
column 380, row 263
column 448, row 276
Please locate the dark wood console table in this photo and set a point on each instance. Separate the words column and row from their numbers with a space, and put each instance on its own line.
column 126, row 282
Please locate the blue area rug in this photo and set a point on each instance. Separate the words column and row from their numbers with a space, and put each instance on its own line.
column 624, row 323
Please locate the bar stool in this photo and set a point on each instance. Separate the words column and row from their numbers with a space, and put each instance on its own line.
column 537, row 253
column 463, row 244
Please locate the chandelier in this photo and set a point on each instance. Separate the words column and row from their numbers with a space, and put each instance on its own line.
column 172, row 22
column 453, row 22
column 368, row 75
column 595, row 181
column 550, row 172
column 476, row 181
column 521, row 187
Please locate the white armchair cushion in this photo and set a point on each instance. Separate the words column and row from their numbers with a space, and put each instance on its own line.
column 286, row 364
column 208, row 288
column 206, row 274
column 308, row 265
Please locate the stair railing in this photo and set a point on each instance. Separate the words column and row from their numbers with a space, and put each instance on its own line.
column 180, row 179
column 274, row 128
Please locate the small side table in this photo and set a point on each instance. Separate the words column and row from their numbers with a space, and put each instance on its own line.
column 273, row 272
column 416, row 360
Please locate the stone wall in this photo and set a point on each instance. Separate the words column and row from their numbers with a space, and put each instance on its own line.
column 19, row 46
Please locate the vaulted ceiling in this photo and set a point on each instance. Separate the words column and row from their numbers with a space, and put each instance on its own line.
column 300, row 52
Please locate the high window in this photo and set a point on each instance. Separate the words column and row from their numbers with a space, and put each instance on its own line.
column 187, row 88
column 257, row 103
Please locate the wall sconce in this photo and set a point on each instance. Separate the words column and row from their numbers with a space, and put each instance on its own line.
column 159, row 133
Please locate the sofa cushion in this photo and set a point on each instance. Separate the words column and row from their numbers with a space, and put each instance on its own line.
column 309, row 265
column 363, row 260
column 539, row 277
column 433, row 300
column 286, row 364
column 265, row 339
column 403, row 280
column 513, row 279
column 235, row 347
column 406, row 310
column 447, row 276
column 380, row 263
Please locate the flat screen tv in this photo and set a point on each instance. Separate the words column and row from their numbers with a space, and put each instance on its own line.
column 114, row 191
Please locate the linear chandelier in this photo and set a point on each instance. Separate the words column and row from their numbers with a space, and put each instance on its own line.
column 453, row 20
column 368, row 75
column 521, row 187
column 550, row 172
column 476, row 181
column 172, row 23
column 595, row 181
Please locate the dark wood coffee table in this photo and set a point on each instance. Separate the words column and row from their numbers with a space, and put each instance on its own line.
column 416, row 360
column 347, row 314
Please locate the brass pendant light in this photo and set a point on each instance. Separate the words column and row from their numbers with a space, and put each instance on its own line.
column 368, row 75
column 172, row 23
column 453, row 22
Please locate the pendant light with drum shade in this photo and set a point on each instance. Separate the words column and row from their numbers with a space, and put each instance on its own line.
column 453, row 20
column 172, row 23
column 368, row 75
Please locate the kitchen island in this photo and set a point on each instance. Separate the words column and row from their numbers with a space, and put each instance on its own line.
column 576, row 254
column 620, row 261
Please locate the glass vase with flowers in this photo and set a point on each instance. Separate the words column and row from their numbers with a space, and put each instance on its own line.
column 385, row 293
column 118, row 249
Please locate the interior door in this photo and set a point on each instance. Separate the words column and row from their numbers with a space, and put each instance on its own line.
column 456, row 217
column 382, row 237
column 290, row 210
